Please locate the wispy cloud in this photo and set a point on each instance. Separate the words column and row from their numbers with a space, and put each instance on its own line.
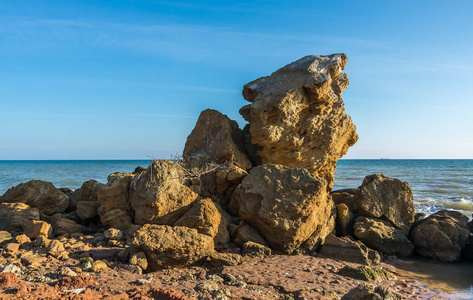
column 189, row 42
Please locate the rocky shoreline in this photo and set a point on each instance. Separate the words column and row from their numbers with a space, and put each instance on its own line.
column 245, row 214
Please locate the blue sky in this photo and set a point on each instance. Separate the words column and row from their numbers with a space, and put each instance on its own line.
column 128, row 79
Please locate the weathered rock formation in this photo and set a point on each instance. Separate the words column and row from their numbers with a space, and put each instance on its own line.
column 286, row 205
column 297, row 116
column 441, row 235
column 38, row 194
column 167, row 246
column 115, row 209
column 158, row 196
column 216, row 139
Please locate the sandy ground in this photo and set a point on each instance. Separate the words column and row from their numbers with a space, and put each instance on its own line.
column 276, row 277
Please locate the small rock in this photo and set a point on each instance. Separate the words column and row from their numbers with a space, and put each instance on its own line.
column 116, row 244
column 224, row 259
column 33, row 261
column 207, row 286
column 98, row 266
column 22, row 239
column 10, row 268
column 86, row 266
column 131, row 268
column 215, row 277
column 363, row 291
column 139, row 259
column 65, row 271
column 36, row 228
column 66, row 226
column 113, row 234
column 255, row 249
column 56, row 248
column 11, row 248
column 5, row 237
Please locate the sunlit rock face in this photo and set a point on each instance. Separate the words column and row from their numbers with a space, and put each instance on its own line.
column 297, row 116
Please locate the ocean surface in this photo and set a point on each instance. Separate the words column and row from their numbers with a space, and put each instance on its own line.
column 437, row 184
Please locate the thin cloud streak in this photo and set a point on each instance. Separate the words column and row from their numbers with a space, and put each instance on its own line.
column 177, row 40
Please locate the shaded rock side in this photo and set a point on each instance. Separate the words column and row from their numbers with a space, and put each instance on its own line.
column 247, row 233
column 17, row 216
column 386, row 198
column 167, row 246
column 158, row 195
column 38, row 194
column 345, row 220
column 36, row 228
column 286, row 205
column 216, row 139
column 297, row 116
column 87, row 192
column 441, row 236
column 208, row 219
column 349, row 250
column 382, row 236
column 115, row 209
column 220, row 183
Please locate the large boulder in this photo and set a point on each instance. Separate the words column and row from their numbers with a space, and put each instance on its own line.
column 349, row 250
column 286, row 205
column 297, row 116
column 382, row 236
column 38, row 194
column 386, row 198
column 158, row 196
column 208, row 219
column 114, row 201
column 167, row 246
column 216, row 139
column 17, row 216
column 441, row 236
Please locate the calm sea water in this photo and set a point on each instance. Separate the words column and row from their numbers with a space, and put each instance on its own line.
column 437, row 184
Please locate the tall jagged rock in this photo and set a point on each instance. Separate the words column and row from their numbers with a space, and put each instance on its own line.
column 216, row 139
column 297, row 115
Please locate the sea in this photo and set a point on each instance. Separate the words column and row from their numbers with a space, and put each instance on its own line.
column 436, row 184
